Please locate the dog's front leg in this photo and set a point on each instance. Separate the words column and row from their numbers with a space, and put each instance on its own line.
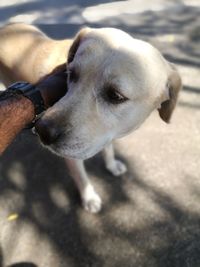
column 116, row 167
column 90, row 199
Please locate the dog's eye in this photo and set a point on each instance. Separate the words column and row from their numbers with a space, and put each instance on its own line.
column 72, row 76
column 113, row 96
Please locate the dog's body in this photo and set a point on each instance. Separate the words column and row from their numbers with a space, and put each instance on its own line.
column 114, row 83
column 27, row 54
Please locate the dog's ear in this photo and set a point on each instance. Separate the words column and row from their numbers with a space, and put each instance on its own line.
column 77, row 41
column 174, row 85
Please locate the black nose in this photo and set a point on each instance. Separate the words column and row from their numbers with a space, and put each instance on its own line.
column 47, row 131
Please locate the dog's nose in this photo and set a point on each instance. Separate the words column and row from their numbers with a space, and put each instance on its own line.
column 47, row 131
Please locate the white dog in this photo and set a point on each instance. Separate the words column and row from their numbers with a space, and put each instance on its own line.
column 114, row 83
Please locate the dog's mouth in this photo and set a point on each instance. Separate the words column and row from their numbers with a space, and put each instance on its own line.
column 76, row 150
column 69, row 143
column 79, row 149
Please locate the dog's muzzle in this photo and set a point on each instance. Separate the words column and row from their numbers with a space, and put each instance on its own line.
column 47, row 131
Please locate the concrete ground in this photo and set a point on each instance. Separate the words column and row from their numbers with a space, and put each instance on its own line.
column 151, row 215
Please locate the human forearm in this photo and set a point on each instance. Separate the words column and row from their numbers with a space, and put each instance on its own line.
column 15, row 113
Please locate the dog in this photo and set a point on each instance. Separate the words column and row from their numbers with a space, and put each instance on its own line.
column 114, row 83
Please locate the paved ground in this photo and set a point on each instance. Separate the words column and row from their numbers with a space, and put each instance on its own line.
column 151, row 215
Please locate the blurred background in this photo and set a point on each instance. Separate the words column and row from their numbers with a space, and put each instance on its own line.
column 151, row 215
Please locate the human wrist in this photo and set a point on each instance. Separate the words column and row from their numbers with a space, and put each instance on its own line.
column 28, row 91
column 19, row 104
column 16, row 112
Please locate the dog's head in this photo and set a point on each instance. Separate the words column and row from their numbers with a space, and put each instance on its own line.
column 114, row 83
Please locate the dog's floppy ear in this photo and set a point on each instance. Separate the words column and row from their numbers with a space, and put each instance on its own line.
column 174, row 85
column 77, row 41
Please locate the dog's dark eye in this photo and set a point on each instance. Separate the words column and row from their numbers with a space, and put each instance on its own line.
column 113, row 96
column 73, row 76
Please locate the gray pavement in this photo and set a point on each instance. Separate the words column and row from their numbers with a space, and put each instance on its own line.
column 151, row 215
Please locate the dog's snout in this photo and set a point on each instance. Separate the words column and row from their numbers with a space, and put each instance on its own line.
column 47, row 130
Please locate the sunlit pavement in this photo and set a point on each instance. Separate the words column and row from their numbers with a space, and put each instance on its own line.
column 151, row 215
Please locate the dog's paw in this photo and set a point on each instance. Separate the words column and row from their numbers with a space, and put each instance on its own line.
column 117, row 168
column 91, row 200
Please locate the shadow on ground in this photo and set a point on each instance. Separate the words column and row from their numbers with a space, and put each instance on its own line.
column 60, row 10
column 46, row 198
column 23, row 264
